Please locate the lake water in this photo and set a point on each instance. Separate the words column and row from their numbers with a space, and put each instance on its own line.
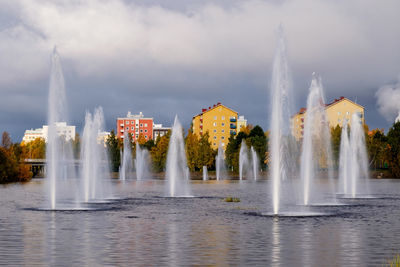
column 141, row 227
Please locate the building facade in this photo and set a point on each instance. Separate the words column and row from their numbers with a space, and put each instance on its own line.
column 241, row 123
column 159, row 130
column 67, row 131
column 136, row 125
column 219, row 121
column 338, row 112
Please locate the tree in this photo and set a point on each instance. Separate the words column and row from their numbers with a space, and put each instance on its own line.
column 258, row 140
column 206, row 155
column 141, row 140
column 36, row 149
column 159, row 152
column 393, row 153
column 76, row 146
column 113, row 145
column 376, row 142
column 336, row 135
column 6, row 140
column 192, row 149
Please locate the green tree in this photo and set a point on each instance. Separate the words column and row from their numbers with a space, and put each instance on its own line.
column 393, row 153
column 232, row 150
column 114, row 145
column 376, row 147
column 258, row 140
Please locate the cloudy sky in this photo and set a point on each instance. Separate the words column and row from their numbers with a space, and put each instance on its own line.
column 167, row 57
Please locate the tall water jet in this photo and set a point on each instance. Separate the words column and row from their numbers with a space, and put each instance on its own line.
column 255, row 160
column 353, row 158
column 205, row 174
column 126, row 166
column 344, row 164
column 141, row 163
column 316, row 148
column 95, row 164
column 280, row 118
column 58, row 152
column 177, row 173
column 220, row 164
column 358, row 157
column 243, row 160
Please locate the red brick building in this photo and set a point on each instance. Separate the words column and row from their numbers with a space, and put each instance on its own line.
column 135, row 125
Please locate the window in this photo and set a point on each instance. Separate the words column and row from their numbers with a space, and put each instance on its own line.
column 214, row 124
column 141, row 130
column 222, row 137
column 137, row 136
column 223, row 124
column 338, row 120
column 127, row 128
column 145, row 136
column 222, row 130
column 223, row 118
column 215, row 138
column 347, row 113
column 214, row 144
column 215, row 117
column 132, row 122
column 214, row 131
column 127, row 122
column 137, row 130
column 145, row 130
column 145, row 125
column 132, row 128
column 141, row 125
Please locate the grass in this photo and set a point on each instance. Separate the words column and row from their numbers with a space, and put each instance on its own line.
column 232, row 199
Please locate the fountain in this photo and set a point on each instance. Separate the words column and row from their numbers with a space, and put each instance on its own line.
column 58, row 152
column 255, row 161
column 353, row 158
column 280, row 119
column 205, row 175
column 220, row 164
column 316, row 148
column 95, row 170
column 126, row 167
column 243, row 160
column 141, row 163
column 177, row 173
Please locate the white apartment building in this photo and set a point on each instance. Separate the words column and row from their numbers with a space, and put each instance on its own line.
column 68, row 131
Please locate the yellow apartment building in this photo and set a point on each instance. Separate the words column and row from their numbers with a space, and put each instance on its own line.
column 338, row 112
column 220, row 122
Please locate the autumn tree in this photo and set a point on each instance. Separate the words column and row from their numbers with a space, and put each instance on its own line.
column 336, row 134
column 192, row 149
column 36, row 149
column 205, row 155
column 159, row 153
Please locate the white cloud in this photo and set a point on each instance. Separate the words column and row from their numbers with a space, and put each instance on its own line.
column 388, row 101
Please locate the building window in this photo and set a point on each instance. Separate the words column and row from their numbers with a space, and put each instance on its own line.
column 137, row 130
column 347, row 113
column 338, row 120
column 222, row 130
column 215, row 144
column 141, row 130
column 137, row 136
column 223, row 124
column 215, row 131
column 132, row 128
column 141, row 125
column 127, row 122
column 215, row 138
column 145, row 130
column 145, row 125
column 222, row 137
column 215, row 117
column 223, row 118
column 132, row 122
column 127, row 128
column 215, row 124
column 145, row 136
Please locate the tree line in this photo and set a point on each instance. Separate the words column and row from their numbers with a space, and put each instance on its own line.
column 383, row 151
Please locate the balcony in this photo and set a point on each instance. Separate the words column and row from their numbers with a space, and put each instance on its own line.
column 233, row 126
column 122, row 130
column 122, row 125
column 232, row 132
column 232, row 119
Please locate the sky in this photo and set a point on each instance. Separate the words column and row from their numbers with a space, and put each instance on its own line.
column 167, row 57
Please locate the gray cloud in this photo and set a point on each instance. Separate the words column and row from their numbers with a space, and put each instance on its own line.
column 167, row 57
column 388, row 101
